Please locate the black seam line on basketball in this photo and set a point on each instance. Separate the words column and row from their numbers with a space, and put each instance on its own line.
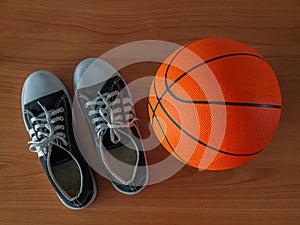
column 165, row 134
column 206, row 62
column 183, row 47
column 247, row 104
column 262, row 105
column 153, row 113
column 161, row 128
column 168, row 88
column 192, row 137
column 227, row 103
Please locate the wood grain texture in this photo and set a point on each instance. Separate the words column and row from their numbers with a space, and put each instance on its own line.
column 56, row 35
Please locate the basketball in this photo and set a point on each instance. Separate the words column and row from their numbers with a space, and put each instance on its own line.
column 214, row 103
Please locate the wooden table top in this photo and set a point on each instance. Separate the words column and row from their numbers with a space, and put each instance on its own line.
column 57, row 35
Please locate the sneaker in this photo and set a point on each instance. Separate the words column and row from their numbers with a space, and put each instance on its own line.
column 46, row 108
column 105, row 102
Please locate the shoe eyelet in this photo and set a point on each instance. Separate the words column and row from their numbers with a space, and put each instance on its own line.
column 62, row 109
column 61, row 118
column 62, row 127
column 86, row 106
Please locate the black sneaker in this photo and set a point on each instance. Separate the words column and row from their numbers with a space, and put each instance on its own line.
column 104, row 99
column 46, row 108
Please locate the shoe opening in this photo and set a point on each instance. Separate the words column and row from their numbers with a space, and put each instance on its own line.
column 66, row 173
column 121, row 161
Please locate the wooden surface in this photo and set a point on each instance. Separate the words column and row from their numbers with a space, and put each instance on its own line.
column 56, row 35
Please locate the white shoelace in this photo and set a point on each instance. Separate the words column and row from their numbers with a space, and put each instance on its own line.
column 107, row 117
column 44, row 133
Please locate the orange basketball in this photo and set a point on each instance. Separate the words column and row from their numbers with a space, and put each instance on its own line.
column 214, row 103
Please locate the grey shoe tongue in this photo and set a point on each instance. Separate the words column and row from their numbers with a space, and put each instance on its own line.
column 108, row 144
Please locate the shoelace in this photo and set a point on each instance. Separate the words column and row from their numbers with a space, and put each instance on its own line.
column 44, row 132
column 105, row 117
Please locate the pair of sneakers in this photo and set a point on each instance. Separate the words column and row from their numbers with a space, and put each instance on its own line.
column 104, row 102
